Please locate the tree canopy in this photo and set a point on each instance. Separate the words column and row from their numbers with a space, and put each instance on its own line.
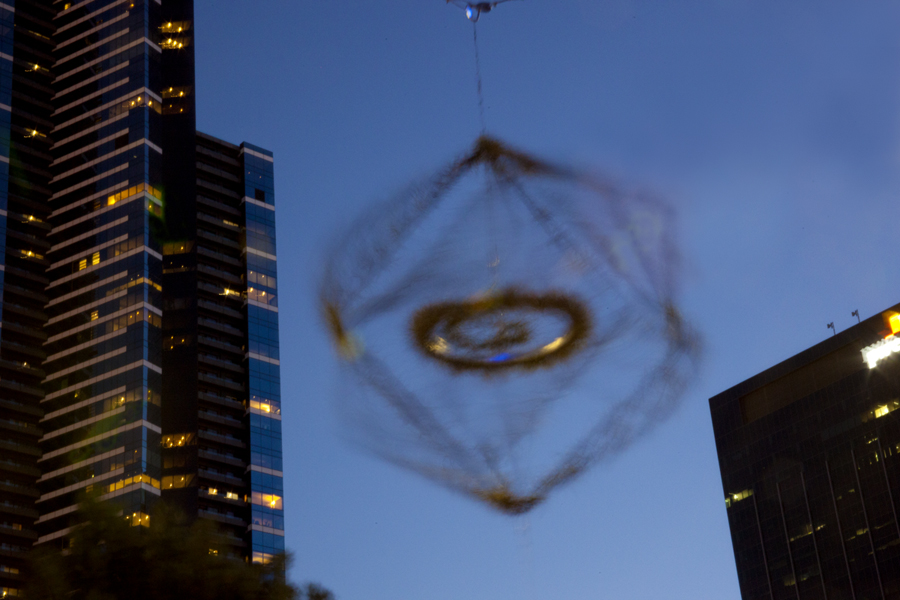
column 111, row 559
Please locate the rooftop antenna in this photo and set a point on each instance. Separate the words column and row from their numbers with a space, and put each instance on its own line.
column 831, row 327
column 855, row 313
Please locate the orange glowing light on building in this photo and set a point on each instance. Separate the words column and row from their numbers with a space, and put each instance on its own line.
column 894, row 322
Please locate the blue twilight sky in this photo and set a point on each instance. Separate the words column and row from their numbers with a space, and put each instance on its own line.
column 772, row 126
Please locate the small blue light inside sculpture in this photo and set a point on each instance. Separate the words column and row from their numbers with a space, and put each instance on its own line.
column 505, row 356
column 474, row 10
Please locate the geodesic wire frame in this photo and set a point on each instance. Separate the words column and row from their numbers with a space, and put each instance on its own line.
column 657, row 392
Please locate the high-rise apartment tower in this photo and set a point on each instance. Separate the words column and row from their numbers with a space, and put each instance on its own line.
column 139, row 324
column 809, row 452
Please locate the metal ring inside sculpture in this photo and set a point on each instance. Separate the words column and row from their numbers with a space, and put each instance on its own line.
column 440, row 331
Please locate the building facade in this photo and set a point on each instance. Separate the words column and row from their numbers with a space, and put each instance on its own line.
column 25, row 157
column 138, row 332
column 221, row 442
column 809, row 453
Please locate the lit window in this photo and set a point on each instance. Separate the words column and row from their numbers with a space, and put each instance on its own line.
column 171, row 44
column 269, row 500
column 82, row 264
column 885, row 409
column 177, row 440
column 95, row 314
column 264, row 405
column 138, row 519
column 732, row 498
column 177, row 248
column 806, row 530
column 173, row 341
column 30, row 254
column 175, row 26
column 177, row 92
column 174, row 482
column 95, row 258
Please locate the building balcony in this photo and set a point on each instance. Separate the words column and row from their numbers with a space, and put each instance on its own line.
column 8, row 508
column 219, row 206
column 220, row 345
column 222, row 190
column 220, row 419
column 9, row 289
column 222, row 258
column 212, row 379
column 7, row 466
column 20, row 427
column 17, row 272
column 21, row 367
column 219, row 274
column 218, row 239
column 23, row 330
column 8, row 487
column 222, row 364
column 213, row 173
column 23, row 349
column 216, row 457
column 25, row 311
column 221, row 439
column 219, row 326
column 22, row 408
column 230, row 520
column 11, row 446
column 21, row 387
column 224, row 478
column 25, row 535
column 220, row 400
column 221, row 309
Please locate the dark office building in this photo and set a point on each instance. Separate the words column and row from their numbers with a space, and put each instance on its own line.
column 138, row 332
column 221, row 409
column 809, row 452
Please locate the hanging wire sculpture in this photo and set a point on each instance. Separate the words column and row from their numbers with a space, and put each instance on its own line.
column 507, row 324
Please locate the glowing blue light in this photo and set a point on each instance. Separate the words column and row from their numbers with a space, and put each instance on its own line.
column 472, row 12
column 505, row 356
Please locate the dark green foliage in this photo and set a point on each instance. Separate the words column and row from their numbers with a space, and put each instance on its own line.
column 315, row 592
column 109, row 559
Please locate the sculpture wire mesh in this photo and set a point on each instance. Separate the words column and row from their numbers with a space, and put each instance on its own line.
column 507, row 324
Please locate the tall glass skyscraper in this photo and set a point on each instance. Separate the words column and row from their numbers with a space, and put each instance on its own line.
column 809, row 452
column 139, row 324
